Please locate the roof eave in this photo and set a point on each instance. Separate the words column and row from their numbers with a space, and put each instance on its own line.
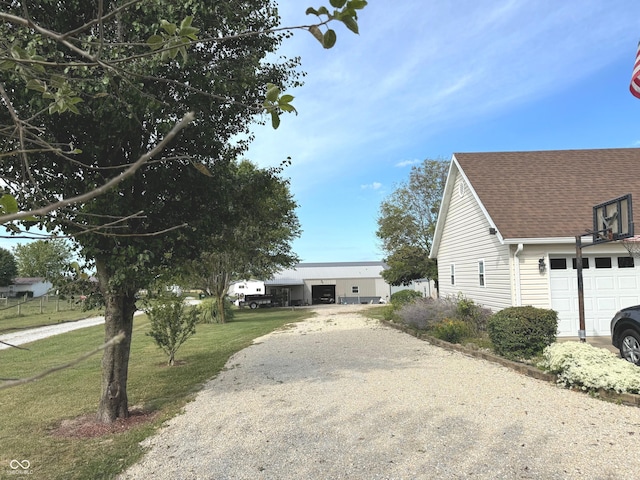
column 539, row 241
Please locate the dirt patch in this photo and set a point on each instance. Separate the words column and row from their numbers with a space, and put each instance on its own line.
column 87, row 426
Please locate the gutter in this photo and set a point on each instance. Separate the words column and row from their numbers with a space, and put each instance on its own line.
column 516, row 259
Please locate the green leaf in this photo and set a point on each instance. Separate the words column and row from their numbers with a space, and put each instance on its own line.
column 337, row 3
column 357, row 4
column 275, row 119
column 351, row 24
column 272, row 92
column 329, row 39
column 323, row 11
column 311, row 11
column 286, row 107
column 189, row 32
column 286, row 99
column 8, row 204
column 170, row 28
column 72, row 108
column 155, row 42
column 36, row 85
column 186, row 22
column 7, row 65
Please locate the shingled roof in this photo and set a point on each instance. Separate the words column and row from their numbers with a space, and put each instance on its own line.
column 548, row 194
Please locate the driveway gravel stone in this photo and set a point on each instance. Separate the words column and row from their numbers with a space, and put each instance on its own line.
column 342, row 397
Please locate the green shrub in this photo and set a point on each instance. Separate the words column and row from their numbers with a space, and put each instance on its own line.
column 472, row 313
column 389, row 313
column 452, row 331
column 210, row 312
column 522, row 332
column 172, row 323
column 404, row 297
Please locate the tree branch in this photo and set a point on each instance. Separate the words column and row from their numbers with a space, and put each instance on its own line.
column 188, row 118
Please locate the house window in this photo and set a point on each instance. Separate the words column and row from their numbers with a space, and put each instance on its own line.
column 626, row 262
column 585, row 263
column 240, row 287
column 481, row 272
column 558, row 263
column 453, row 274
column 355, row 289
column 603, row 262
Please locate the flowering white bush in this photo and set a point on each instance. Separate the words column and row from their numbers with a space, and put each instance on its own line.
column 581, row 365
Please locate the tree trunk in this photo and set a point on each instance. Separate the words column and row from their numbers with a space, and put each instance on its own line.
column 119, row 310
column 221, row 313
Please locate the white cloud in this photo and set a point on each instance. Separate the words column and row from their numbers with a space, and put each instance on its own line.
column 372, row 186
column 407, row 163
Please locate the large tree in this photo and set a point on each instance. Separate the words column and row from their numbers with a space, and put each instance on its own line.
column 90, row 58
column 43, row 258
column 8, row 267
column 259, row 244
column 407, row 221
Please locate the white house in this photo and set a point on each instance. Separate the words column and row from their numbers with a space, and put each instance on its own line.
column 337, row 282
column 32, row 286
column 507, row 227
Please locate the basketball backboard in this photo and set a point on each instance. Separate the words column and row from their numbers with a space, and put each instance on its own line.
column 613, row 220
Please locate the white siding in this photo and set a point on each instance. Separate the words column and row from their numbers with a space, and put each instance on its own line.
column 534, row 286
column 465, row 241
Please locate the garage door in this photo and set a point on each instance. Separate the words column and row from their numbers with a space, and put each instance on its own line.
column 610, row 283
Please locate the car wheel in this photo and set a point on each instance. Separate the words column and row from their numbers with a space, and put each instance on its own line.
column 630, row 346
column 253, row 305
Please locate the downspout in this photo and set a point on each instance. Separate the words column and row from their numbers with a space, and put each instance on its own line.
column 517, row 274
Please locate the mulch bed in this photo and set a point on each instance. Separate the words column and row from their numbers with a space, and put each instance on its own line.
column 86, row 426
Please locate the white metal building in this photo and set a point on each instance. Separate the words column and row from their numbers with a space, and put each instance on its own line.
column 338, row 282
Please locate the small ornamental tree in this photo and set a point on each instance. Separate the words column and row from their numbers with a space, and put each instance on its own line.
column 172, row 323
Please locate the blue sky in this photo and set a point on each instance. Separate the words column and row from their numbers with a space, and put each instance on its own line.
column 425, row 79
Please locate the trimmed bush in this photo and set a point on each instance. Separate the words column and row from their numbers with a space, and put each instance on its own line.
column 404, row 297
column 522, row 332
column 452, row 331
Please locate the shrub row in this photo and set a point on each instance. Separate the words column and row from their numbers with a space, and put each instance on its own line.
column 515, row 333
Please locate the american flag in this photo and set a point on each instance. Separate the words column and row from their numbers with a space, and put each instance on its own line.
column 635, row 77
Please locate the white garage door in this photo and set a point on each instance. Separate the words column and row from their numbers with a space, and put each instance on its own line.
column 610, row 283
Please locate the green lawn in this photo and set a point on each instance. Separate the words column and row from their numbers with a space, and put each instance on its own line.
column 29, row 413
column 16, row 314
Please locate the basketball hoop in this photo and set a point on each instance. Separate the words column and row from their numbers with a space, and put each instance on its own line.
column 632, row 244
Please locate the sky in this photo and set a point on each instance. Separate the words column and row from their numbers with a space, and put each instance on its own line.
column 428, row 78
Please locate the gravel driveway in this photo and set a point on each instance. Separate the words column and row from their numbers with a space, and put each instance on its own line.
column 31, row 335
column 342, row 397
